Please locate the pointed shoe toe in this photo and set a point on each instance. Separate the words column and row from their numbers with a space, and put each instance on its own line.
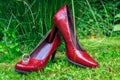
column 32, row 65
column 86, row 60
column 82, row 59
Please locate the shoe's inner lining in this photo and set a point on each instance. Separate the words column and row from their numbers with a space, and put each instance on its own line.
column 71, row 26
column 41, row 51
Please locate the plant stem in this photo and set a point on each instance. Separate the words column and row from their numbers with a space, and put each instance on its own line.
column 74, row 21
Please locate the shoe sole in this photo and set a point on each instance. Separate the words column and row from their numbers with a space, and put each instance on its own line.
column 77, row 64
column 22, row 72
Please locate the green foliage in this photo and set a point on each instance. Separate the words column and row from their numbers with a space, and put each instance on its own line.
column 9, row 47
column 117, row 25
column 96, row 17
column 33, row 19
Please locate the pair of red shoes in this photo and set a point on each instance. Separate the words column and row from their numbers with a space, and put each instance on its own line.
column 39, row 57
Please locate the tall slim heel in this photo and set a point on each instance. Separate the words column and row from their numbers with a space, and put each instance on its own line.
column 53, row 55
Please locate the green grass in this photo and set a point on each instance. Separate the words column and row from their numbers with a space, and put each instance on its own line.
column 105, row 50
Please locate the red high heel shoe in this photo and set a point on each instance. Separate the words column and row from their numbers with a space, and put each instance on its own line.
column 74, row 52
column 39, row 57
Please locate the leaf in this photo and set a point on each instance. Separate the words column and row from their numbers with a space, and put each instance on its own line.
column 117, row 27
column 117, row 16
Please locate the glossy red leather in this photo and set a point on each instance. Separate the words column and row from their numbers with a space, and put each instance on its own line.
column 74, row 52
column 36, row 63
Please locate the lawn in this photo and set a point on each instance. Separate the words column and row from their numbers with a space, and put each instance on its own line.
column 105, row 50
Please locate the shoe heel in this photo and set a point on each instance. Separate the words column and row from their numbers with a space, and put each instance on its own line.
column 53, row 55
